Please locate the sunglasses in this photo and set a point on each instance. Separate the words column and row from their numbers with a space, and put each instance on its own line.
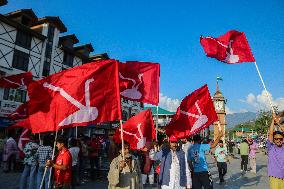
column 281, row 139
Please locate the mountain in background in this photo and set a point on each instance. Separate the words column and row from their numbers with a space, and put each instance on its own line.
column 238, row 118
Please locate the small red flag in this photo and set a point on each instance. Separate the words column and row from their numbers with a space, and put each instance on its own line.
column 20, row 81
column 83, row 95
column 20, row 113
column 23, row 140
column 139, row 81
column 230, row 48
column 196, row 112
column 138, row 130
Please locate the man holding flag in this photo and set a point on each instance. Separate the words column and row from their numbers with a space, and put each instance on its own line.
column 175, row 173
column 197, row 161
column 124, row 171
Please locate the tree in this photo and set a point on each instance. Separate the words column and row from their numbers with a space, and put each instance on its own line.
column 263, row 121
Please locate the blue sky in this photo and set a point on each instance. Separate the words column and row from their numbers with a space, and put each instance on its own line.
column 167, row 32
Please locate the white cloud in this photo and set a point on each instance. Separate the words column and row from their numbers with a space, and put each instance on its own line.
column 243, row 110
column 229, row 111
column 168, row 103
column 261, row 101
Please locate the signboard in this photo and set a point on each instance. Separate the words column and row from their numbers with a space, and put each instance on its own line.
column 8, row 107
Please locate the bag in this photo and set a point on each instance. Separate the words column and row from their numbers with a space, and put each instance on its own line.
column 147, row 164
column 158, row 169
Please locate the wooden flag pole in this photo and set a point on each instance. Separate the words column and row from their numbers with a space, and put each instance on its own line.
column 122, row 141
column 267, row 94
column 40, row 142
column 45, row 170
column 53, row 152
column 157, row 109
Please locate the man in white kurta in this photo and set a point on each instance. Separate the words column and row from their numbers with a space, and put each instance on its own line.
column 175, row 167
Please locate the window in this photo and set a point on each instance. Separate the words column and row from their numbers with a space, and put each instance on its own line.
column 23, row 39
column 20, row 60
column 50, row 33
column 48, row 51
column 15, row 95
column 68, row 59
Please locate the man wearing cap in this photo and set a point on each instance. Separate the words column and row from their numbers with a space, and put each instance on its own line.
column 124, row 171
column 175, row 173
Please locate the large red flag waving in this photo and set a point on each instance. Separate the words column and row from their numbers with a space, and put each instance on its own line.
column 139, row 81
column 76, row 97
column 138, row 130
column 20, row 81
column 195, row 113
column 230, row 48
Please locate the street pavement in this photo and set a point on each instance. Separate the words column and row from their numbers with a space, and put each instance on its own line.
column 234, row 178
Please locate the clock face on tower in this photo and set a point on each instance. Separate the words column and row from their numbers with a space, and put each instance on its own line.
column 219, row 105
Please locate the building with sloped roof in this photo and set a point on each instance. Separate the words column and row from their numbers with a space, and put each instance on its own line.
column 37, row 45
column 164, row 116
column 40, row 46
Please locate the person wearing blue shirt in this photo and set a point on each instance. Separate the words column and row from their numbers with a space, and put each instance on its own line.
column 198, row 164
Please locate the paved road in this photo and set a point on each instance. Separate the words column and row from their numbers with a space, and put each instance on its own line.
column 234, row 179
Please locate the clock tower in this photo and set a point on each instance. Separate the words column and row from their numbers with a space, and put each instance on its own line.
column 219, row 104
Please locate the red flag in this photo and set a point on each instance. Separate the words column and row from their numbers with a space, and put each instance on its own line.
column 76, row 97
column 20, row 81
column 23, row 140
column 196, row 112
column 139, row 81
column 20, row 113
column 230, row 48
column 25, row 123
column 138, row 130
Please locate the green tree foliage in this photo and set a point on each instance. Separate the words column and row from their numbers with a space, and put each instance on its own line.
column 260, row 124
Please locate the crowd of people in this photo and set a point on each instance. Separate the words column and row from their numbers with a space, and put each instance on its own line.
column 79, row 156
column 170, row 163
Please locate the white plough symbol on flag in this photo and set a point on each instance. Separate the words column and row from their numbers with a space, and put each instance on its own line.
column 22, row 86
column 201, row 119
column 85, row 113
column 132, row 93
column 23, row 138
column 142, row 140
column 231, row 57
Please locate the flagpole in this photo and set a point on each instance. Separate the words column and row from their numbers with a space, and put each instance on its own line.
column 45, row 170
column 122, row 141
column 157, row 109
column 40, row 142
column 53, row 152
column 267, row 94
column 76, row 134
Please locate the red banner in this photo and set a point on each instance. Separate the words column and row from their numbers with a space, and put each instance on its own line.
column 230, row 48
column 195, row 113
column 79, row 96
column 138, row 130
column 20, row 81
column 139, row 81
